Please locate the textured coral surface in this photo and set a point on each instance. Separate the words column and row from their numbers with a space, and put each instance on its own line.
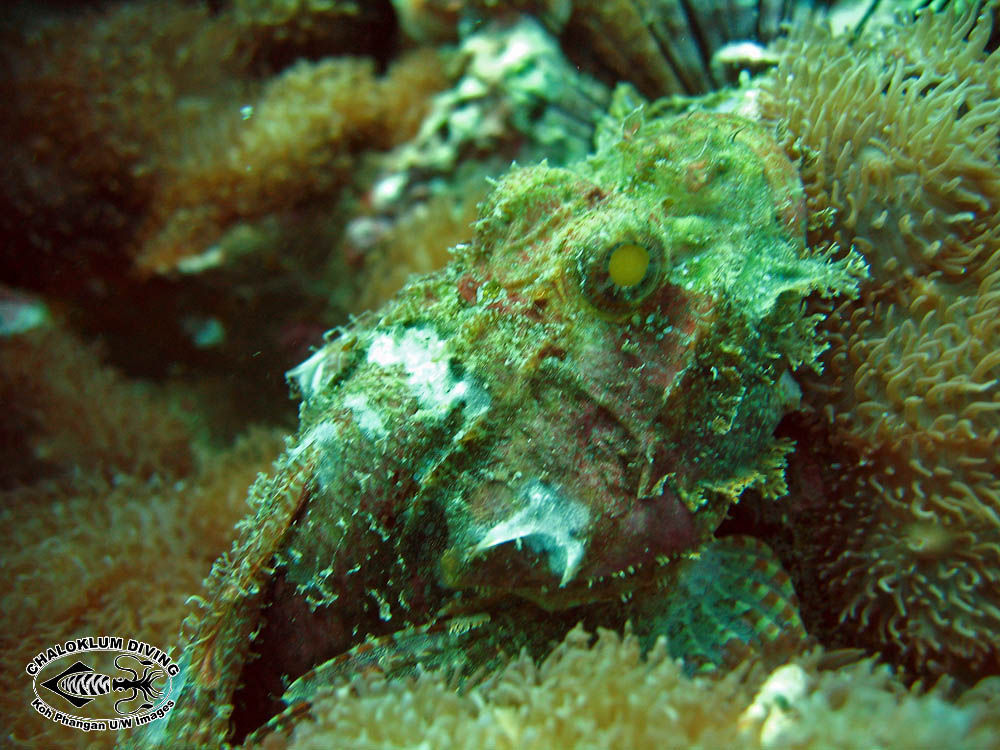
column 117, row 522
column 149, row 164
column 192, row 192
column 897, row 136
column 603, row 693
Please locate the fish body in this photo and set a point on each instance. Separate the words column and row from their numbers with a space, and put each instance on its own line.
column 561, row 415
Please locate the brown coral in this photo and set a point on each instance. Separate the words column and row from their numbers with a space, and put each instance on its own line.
column 98, row 102
column 897, row 139
column 604, row 694
column 114, row 510
column 274, row 33
column 95, row 103
column 125, row 147
column 295, row 146
column 68, row 414
column 118, row 559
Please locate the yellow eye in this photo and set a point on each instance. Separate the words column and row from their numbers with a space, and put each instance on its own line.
column 628, row 264
column 616, row 278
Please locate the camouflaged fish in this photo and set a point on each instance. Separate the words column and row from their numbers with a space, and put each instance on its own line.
column 559, row 419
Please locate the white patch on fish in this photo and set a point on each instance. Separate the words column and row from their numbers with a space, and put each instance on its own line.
column 369, row 420
column 425, row 358
column 550, row 524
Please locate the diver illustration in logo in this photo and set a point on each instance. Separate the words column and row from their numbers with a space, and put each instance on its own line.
column 80, row 684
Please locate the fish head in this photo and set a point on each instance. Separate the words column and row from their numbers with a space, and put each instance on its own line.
column 637, row 318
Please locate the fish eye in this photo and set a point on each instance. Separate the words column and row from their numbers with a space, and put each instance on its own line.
column 618, row 276
column 628, row 264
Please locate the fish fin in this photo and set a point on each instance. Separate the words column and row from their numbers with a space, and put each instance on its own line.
column 732, row 602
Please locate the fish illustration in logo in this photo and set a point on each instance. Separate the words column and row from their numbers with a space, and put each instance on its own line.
column 80, row 684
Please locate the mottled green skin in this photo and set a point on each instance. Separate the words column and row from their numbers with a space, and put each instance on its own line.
column 516, row 426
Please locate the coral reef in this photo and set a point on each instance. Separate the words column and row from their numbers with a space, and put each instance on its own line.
column 896, row 136
column 515, row 98
column 295, row 145
column 139, row 136
column 66, row 414
column 134, row 551
column 909, row 173
column 275, row 33
column 99, row 103
column 604, row 694
column 192, row 192
column 118, row 519
column 96, row 103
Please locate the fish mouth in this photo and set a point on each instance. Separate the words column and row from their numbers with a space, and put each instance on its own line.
column 543, row 541
column 550, row 524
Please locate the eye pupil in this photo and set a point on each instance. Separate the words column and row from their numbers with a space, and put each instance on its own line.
column 628, row 264
column 616, row 278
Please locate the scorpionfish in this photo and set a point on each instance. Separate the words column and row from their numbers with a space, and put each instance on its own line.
column 561, row 416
